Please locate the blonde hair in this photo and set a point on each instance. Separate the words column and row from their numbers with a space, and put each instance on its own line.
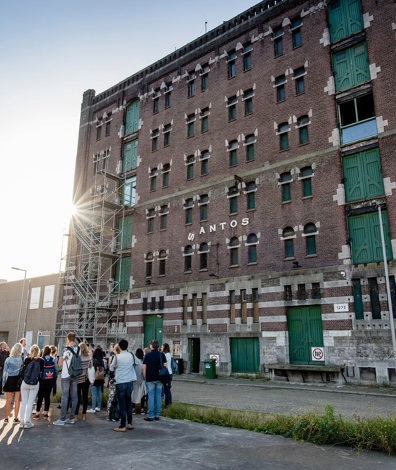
column 34, row 351
column 85, row 351
column 117, row 349
column 16, row 350
column 54, row 349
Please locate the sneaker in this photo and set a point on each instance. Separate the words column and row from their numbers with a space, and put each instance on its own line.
column 59, row 422
column 146, row 418
column 157, row 418
column 6, row 421
column 142, row 412
column 21, row 424
column 129, row 426
column 36, row 416
column 91, row 410
column 28, row 425
column 70, row 421
column 119, row 429
column 16, row 421
column 97, row 409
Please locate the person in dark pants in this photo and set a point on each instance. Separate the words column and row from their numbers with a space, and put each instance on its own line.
column 168, row 385
column 4, row 353
column 124, row 377
column 46, row 383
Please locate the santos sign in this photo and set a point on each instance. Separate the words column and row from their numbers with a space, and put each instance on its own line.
column 218, row 227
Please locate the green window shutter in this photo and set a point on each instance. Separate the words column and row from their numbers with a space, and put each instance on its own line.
column 132, row 117
column 345, row 18
column 130, row 155
column 363, row 175
column 125, row 230
column 351, row 67
column 365, row 236
column 123, row 273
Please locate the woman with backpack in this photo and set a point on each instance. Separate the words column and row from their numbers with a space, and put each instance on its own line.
column 46, row 382
column 82, row 380
column 33, row 367
column 96, row 388
column 11, row 381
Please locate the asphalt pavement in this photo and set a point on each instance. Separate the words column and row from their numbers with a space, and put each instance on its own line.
column 177, row 444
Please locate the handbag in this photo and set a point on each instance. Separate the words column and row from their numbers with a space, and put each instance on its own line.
column 163, row 373
column 91, row 374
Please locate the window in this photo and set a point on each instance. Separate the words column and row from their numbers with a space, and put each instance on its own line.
column 153, row 179
column 162, row 263
column 203, row 256
column 233, row 153
column 351, row 67
column 232, row 305
column 248, row 101
column 247, row 56
column 298, row 77
column 188, row 207
column 48, row 300
column 203, row 207
column 363, row 177
column 188, row 251
column 283, row 132
column 310, row 232
column 232, row 109
column 285, row 180
column 205, row 77
column 190, row 167
column 149, row 264
column 306, row 180
column 301, row 292
column 164, row 211
column 278, row 41
column 250, row 191
column 288, row 237
column 204, row 159
column 234, row 249
column 249, row 144
column 108, row 125
column 302, row 126
column 251, row 243
column 150, row 220
column 358, row 299
column 315, row 293
column 365, row 238
column 129, row 192
column 166, row 132
column 190, row 125
column 374, row 298
column 168, row 95
column 165, row 175
column 156, row 101
column 132, row 119
column 154, row 140
column 357, row 119
column 130, row 155
column 124, row 239
column 231, row 65
column 232, row 195
column 99, row 130
column 204, row 120
column 191, row 85
column 280, row 88
column 345, row 18
column 287, row 293
column 123, row 273
column 296, row 32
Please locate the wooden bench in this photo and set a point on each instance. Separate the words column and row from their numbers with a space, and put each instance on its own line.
column 305, row 369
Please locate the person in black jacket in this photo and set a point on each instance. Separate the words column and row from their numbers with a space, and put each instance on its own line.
column 4, row 353
column 97, row 386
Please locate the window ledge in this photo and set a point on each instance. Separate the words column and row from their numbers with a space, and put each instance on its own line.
column 289, row 259
column 311, row 256
column 307, row 197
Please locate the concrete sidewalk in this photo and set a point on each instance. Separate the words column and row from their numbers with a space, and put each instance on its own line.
column 183, row 445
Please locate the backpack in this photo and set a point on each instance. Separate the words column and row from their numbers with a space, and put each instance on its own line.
column 174, row 366
column 75, row 367
column 49, row 371
column 100, row 373
column 32, row 373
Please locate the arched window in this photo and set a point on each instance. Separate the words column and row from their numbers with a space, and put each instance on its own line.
column 203, row 256
column 288, row 237
column 310, row 232
column 251, row 243
column 234, row 251
column 188, row 207
column 283, row 132
column 188, row 251
column 149, row 264
column 162, row 263
column 302, row 126
column 233, row 153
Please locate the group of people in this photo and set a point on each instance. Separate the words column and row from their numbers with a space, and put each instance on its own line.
column 133, row 380
column 27, row 376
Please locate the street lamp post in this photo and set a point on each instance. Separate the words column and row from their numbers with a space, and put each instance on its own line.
column 21, row 305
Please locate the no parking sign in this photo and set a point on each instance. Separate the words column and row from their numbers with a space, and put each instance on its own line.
column 317, row 354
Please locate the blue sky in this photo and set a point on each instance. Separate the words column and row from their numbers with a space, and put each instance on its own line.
column 51, row 51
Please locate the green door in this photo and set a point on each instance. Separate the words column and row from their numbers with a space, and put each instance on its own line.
column 153, row 328
column 194, row 349
column 245, row 354
column 305, row 332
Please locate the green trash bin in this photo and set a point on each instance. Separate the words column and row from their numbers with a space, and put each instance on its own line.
column 210, row 368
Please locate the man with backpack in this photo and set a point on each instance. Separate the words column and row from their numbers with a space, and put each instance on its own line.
column 70, row 362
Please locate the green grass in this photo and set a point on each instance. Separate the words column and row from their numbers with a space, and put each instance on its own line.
column 359, row 433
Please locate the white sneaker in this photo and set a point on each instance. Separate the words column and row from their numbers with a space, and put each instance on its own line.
column 91, row 410
column 97, row 409
column 28, row 425
column 70, row 421
column 59, row 422
column 21, row 424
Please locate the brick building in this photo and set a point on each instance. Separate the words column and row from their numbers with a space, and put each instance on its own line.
column 232, row 197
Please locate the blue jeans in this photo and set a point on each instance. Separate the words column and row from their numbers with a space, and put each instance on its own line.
column 154, row 390
column 124, row 395
column 69, row 389
column 96, row 396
